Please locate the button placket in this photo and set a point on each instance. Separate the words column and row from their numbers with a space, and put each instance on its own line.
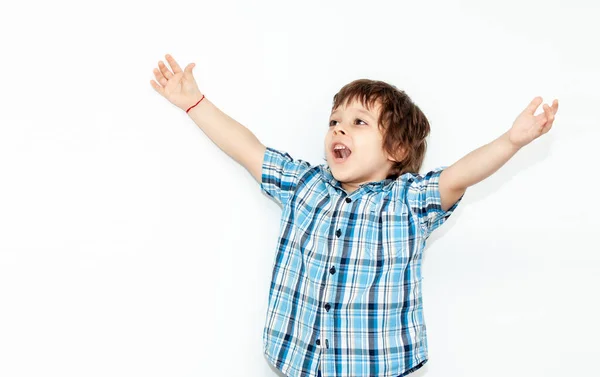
column 332, row 271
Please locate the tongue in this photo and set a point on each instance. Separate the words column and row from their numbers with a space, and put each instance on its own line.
column 345, row 153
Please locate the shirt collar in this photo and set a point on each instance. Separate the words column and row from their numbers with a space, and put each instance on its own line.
column 383, row 185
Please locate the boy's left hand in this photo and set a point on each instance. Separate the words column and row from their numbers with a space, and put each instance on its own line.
column 528, row 127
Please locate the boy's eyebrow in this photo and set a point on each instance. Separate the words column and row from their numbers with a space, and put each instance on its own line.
column 360, row 111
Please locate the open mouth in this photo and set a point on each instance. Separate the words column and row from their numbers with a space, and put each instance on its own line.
column 341, row 153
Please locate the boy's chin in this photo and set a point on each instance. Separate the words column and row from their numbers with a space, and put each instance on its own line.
column 340, row 175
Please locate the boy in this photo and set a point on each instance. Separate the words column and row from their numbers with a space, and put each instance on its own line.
column 345, row 297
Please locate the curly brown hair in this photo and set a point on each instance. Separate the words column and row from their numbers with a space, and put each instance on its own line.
column 404, row 125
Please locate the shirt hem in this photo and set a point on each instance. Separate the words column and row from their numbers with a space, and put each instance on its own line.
column 287, row 367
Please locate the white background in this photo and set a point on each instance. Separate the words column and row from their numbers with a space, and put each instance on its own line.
column 130, row 245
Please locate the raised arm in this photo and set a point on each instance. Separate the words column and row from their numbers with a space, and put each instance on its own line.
column 180, row 88
column 486, row 160
column 232, row 137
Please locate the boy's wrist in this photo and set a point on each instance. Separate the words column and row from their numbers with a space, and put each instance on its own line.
column 192, row 105
column 510, row 145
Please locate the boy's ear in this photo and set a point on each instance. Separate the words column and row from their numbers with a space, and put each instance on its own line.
column 399, row 155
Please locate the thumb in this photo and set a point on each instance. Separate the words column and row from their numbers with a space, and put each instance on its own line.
column 188, row 68
column 533, row 105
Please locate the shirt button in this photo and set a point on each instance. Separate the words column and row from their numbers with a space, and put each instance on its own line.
column 318, row 342
column 327, row 306
column 348, row 200
column 338, row 232
column 332, row 270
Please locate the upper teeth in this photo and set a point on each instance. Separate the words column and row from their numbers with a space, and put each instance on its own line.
column 339, row 147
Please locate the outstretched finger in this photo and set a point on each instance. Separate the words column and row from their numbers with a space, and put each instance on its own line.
column 165, row 71
column 157, row 87
column 160, row 77
column 549, row 118
column 176, row 68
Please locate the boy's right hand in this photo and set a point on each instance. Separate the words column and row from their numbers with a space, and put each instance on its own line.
column 179, row 87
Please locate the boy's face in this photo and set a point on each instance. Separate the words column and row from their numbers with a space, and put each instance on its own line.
column 356, row 127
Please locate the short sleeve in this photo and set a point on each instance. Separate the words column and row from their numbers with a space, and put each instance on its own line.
column 280, row 174
column 423, row 196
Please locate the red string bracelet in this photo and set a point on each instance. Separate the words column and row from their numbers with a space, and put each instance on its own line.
column 196, row 104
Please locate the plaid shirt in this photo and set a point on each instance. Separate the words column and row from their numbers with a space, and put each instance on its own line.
column 346, row 283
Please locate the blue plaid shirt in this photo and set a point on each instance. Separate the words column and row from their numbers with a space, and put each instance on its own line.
column 346, row 283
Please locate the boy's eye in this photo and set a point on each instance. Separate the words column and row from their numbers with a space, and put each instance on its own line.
column 357, row 119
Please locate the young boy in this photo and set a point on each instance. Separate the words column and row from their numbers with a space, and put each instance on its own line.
column 345, row 297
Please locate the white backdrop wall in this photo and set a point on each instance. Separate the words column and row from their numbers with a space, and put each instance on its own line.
column 132, row 246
